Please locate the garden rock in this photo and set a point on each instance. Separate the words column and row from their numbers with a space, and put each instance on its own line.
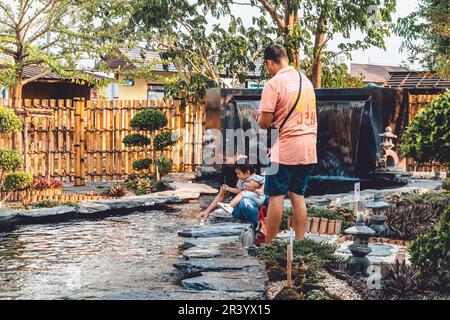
column 228, row 281
column 218, row 264
column 215, row 230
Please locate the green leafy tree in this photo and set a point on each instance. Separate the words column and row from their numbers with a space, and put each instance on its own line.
column 179, row 31
column 55, row 35
column 148, row 121
column 311, row 24
column 426, row 35
column 427, row 138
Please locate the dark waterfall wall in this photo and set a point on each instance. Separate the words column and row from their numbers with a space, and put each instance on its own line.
column 349, row 121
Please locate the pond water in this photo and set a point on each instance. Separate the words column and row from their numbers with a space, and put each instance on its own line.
column 116, row 257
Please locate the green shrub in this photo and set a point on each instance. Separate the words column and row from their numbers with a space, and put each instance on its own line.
column 164, row 140
column 314, row 254
column 164, row 166
column 446, row 184
column 136, row 140
column 149, row 119
column 17, row 181
column 427, row 138
column 430, row 254
column 142, row 164
column 53, row 203
column 10, row 160
column 9, row 121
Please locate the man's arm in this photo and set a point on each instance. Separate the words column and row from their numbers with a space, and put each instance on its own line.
column 265, row 120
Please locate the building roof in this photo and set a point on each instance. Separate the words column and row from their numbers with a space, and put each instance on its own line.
column 140, row 55
column 33, row 70
column 372, row 72
column 416, row 80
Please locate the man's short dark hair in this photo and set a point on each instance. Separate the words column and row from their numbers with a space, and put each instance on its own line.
column 244, row 167
column 275, row 53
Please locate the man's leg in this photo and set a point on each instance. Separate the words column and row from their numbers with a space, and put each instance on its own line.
column 297, row 188
column 299, row 214
column 274, row 214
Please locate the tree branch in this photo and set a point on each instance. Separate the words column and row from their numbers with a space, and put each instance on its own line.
column 273, row 13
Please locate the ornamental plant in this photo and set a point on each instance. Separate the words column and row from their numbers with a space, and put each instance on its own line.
column 148, row 121
column 430, row 254
column 427, row 138
column 10, row 160
column 9, row 121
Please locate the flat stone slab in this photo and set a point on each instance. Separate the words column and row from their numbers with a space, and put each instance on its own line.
column 47, row 212
column 200, row 188
column 214, row 230
column 378, row 250
column 230, row 249
column 184, row 294
column 205, row 242
column 218, row 264
column 229, row 281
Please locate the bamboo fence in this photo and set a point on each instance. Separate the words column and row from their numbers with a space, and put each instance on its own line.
column 81, row 141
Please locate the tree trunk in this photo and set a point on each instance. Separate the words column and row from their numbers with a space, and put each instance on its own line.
column 291, row 20
column 17, row 89
column 318, row 50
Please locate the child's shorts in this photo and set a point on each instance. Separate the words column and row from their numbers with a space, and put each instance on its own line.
column 259, row 200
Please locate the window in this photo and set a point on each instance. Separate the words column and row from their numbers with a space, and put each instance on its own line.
column 155, row 92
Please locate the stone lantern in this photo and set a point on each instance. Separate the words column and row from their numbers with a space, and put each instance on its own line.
column 378, row 219
column 358, row 262
column 388, row 159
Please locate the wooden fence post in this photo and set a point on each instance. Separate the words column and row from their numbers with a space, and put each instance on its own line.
column 79, row 143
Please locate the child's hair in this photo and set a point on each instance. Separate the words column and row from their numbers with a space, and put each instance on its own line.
column 245, row 167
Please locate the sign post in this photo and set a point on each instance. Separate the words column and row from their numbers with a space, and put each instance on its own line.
column 357, row 196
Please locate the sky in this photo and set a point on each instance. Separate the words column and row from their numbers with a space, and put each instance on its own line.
column 392, row 56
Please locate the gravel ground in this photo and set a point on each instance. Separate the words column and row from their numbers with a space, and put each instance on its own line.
column 274, row 288
column 339, row 289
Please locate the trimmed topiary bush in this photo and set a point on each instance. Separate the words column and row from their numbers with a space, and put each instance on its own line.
column 9, row 121
column 136, row 139
column 163, row 140
column 10, row 160
column 149, row 120
column 164, row 166
column 446, row 184
column 427, row 138
column 17, row 181
column 142, row 164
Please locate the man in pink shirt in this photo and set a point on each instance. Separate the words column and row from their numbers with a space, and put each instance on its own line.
column 293, row 112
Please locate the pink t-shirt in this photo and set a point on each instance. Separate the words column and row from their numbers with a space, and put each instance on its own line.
column 298, row 137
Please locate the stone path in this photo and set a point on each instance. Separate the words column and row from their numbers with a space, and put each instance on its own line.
column 214, row 260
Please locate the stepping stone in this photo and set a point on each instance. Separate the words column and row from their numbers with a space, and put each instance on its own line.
column 183, row 294
column 229, row 281
column 218, row 264
column 211, row 250
column 202, row 242
column 215, row 230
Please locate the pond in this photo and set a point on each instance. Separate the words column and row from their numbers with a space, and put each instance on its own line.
column 117, row 257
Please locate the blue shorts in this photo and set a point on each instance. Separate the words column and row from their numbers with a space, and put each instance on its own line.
column 292, row 178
